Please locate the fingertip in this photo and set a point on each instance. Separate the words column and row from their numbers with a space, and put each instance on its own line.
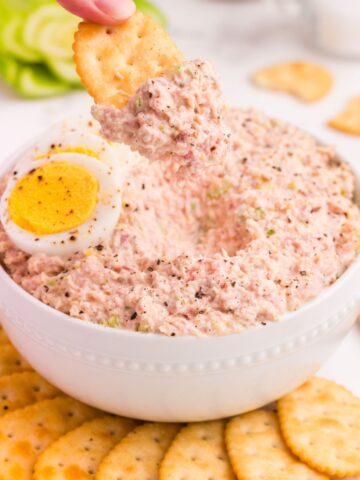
column 117, row 10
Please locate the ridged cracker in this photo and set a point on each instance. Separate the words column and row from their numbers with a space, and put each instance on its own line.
column 11, row 361
column 258, row 452
column 25, row 433
column 77, row 455
column 307, row 81
column 320, row 422
column 138, row 455
column 22, row 389
column 198, row 452
column 113, row 62
column 348, row 120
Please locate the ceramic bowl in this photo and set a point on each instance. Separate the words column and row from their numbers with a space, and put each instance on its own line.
column 153, row 377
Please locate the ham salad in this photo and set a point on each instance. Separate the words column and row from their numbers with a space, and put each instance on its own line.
column 230, row 219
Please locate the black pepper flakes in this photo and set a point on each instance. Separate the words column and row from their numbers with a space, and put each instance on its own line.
column 133, row 316
column 199, row 294
column 99, row 248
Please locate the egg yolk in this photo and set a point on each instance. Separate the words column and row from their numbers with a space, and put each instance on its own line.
column 54, row 198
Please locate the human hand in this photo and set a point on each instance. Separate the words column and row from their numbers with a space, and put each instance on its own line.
column 106, row 12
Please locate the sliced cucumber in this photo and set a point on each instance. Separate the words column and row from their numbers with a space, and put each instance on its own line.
column 64, row 70
column 152, row 11
column 38, row 82
column 12, row 41
column 50, row 31
column 9, row 69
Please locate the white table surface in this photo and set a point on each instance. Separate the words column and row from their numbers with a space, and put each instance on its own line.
column 238, row 36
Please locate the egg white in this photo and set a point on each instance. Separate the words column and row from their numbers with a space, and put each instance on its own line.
column 94, row 231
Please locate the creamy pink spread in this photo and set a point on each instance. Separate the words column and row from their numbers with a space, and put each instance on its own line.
column 177, row 118
column 267, row 229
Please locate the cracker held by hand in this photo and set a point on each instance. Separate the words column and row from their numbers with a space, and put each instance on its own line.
column 24, row 434
column 257, row 450
column 139, row 454
column 11, row 361
column 320, row 422
column 307, row 81
column 348, row 120
column 198, row 452
column 113, row 62
column 78, row 454
column 22, row 389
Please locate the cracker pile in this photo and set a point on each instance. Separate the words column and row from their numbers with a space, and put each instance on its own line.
column 45, row 435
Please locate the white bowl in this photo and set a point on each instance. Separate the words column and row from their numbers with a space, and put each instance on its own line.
column 161, row 378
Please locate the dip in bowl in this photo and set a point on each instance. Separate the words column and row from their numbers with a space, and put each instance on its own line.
column 158, row 376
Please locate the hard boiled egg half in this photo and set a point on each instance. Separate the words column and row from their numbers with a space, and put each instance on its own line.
column 64, row 195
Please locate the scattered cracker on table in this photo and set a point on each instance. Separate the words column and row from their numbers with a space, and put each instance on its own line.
column 257, row 450
column 139, row 454
column 113, row 62
column 25, row 433
column 320, row 422
column 348, row 120
column 305, row 80
column 77, row 455
column 11, row 361
column 198, row 451
column 22, row 389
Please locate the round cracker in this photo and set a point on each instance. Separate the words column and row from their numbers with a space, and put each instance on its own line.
column 11, row 361
column 78, row 454
column 25, row 433
column 113, row 62
column 307, row 81
column 139, row 454
column 198, row 452
column 258, row 452
column 22, row 389
column 348, row 120
column 320, row 422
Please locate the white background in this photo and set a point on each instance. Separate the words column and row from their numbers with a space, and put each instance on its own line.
column 238, row 36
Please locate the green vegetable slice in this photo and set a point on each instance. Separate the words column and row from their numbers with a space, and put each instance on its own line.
column 12, row 40
column 38, row 82
column 152, row 11
column 9, row 69
column 50, row 30
column 64, row 70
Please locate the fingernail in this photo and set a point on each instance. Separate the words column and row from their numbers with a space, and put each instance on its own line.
column 117, row 9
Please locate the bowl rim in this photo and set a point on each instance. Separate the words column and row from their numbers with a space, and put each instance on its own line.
column 124, row 333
